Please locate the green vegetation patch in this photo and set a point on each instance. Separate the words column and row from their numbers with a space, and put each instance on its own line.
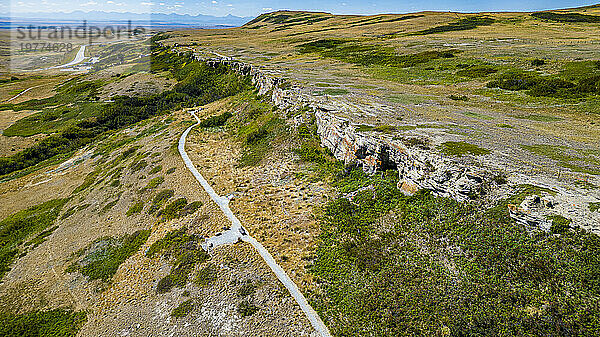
column 182, row 250
column 476, row 71
column 566, row 17
column 549, row 85
column 207, row 275
column 155, row 169
column 216, row 121
column 51, row 323
column 576, row 160
column 594, row 206
column 462, row 148
column 197, row 84
column 101, row 259
column 560, row 224
column 154, row 183
column 331, row 92
column 367, row 55
column 257, row 126
column 135, row 208
column 477, row 115
column 246, row 308
column 16, row 228
column 183, row 309
column 160, row 199
column 462, row 24
column 392, row 265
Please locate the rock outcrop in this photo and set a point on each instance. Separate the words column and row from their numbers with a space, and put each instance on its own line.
column 418, row 167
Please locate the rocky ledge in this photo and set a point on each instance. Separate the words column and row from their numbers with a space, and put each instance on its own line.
column 418, row 166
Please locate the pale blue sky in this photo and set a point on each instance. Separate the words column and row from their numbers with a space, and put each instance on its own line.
column 253, row 8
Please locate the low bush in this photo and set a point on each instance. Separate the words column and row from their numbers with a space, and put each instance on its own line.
column 135, row 208
column 19, row 226
column 462, row 148
column 246, row 308
column 154, row 183
column 55, row 323
column 206, row 275
column 462, row 24
column 183, row 309
column 215, row 121
column 392, row 265
column 458, row 98
column 538, row 62
column 101, row 259
column 183, row 252
column 155, row 169
column 477, row 71
column 197, row 84
column 566, row 17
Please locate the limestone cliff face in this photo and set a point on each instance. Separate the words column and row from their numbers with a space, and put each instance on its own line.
column 418, row 167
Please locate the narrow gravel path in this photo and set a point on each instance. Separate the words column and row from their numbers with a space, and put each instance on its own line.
column 237, row 232
column 21, row 93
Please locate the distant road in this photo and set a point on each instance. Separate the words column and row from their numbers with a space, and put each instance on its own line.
column 237, row 232
column 78, row 59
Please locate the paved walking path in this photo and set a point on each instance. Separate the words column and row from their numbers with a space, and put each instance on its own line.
column 236, row 232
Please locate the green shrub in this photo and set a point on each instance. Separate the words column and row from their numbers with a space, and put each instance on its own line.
column 183, row 309
column 183, row 252
column 462, row 148
column 109, row 206
column 174, row 209
column 560, row 224
column 171, row 170
column 206, row 275
column 103, row 257
column 155, row 169
column 162, row 196
column 87, row 182
column 154, row 183
column 216, row 121
column 138, row 165
column 247, row 289
column 55, row 323
column 366, row 55
column 566, row 17
column 135, row 208
column 594, row 206
column 190, row 208
column 246, row 308
column 19, row 226
column 160, row 199
column 477, row 71
column 462, row 24
column 385, row 128
column 458, row 98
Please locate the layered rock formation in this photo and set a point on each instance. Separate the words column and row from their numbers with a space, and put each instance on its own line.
column 418, row 167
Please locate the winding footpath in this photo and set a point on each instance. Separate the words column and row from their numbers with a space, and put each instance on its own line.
column 21, row 93
column 236, row 232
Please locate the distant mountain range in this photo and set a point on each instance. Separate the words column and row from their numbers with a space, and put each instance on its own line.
column 154, row 19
